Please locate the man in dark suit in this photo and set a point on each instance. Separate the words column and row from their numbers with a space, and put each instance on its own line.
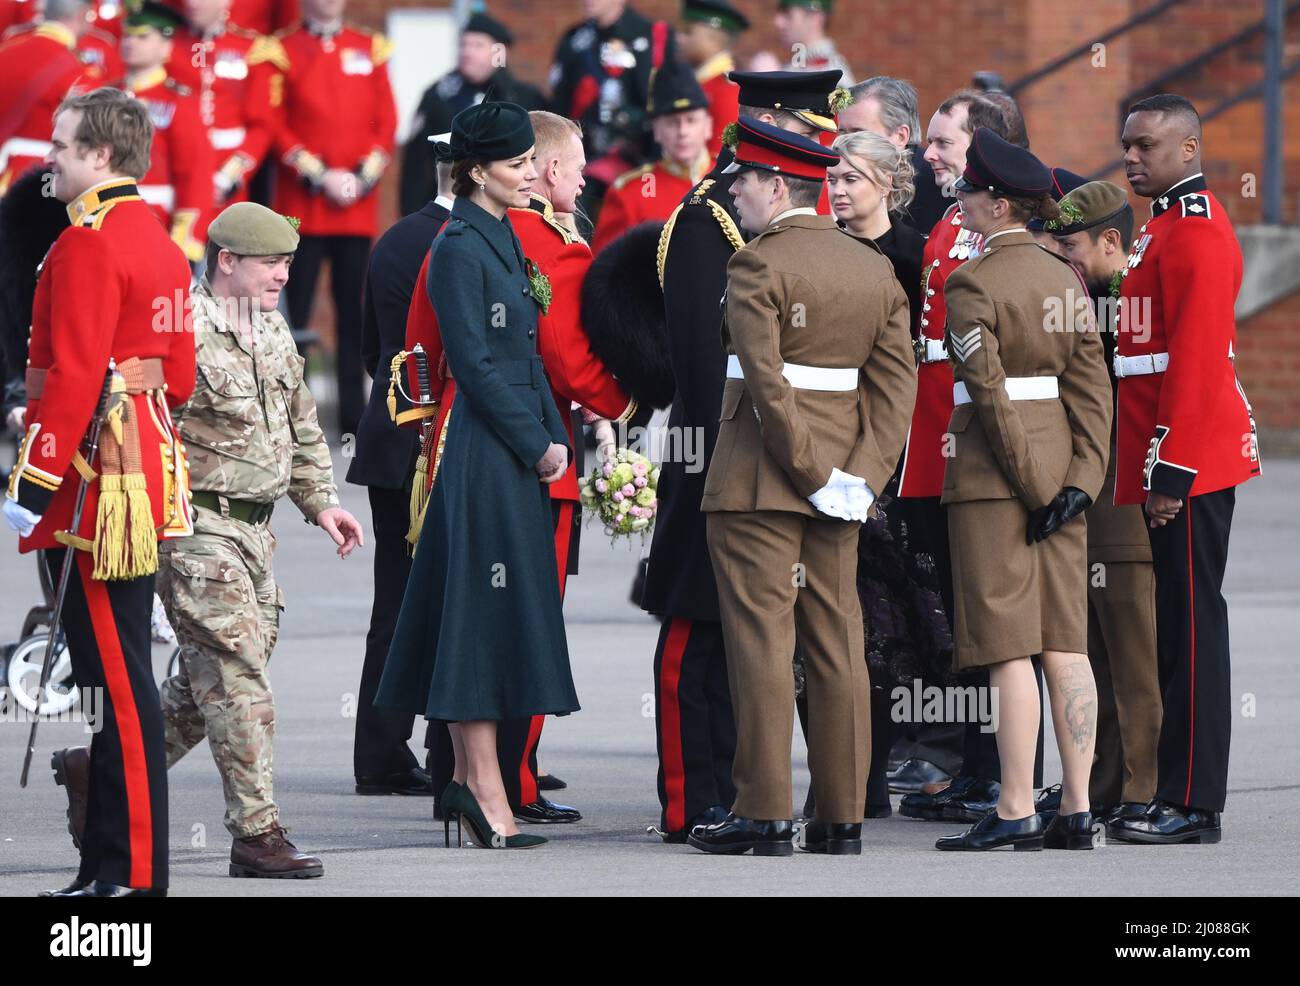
column 481, row 73
column 384, row 461
column 888, row 107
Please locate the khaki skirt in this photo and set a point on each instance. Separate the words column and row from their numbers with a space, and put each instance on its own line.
column 1013, row 599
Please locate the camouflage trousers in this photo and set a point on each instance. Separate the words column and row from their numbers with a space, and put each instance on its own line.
column 224, row 605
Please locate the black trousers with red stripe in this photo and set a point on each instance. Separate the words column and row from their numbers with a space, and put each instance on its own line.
column 695, row 732
column 517, row 739
column 107, row 629
column 1190, row 554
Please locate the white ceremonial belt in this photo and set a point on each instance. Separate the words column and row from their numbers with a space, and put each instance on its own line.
column 1140, row 366
column 226, row 138
column 934, row 351
column 22, row 147
column 804, row 377
column 1018, row 389
column 163, row 196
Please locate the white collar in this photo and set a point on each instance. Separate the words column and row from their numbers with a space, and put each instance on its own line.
column 801, row 211
column 446, row 201
column 1013, row 229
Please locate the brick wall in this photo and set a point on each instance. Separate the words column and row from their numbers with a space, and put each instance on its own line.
column 1073, row 116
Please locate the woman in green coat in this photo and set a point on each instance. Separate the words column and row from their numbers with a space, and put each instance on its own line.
column 480, row 637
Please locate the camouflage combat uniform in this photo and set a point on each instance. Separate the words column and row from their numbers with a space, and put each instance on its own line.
column 252, row 435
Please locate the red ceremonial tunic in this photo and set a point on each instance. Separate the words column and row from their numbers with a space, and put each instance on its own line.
column 339, row 108
column 38, row 68
column 179, row 182
column 1189, row 429
column 113, row 285
column 949, row 246
column 233, row 79
column 576, row 374
column 723, row 96
column 264, row 16
column 651, row 191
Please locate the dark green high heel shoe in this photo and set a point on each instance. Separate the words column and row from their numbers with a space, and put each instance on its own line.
column 450, row 806
column 480, row 832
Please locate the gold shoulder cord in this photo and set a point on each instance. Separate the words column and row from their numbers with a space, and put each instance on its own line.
column 661, row 253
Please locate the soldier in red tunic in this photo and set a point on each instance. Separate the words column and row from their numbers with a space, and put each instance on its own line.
column 679, row 114
column 231, row 69
column 1185, row 440
column 39, row 65
column 179, row 182
column 577, row 376
column 96, row 309
column 334, row 142
column 707, row 31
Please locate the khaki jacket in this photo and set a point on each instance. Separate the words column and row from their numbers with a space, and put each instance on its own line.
column 804, row 291
column 1011, row 313
column 250, row 427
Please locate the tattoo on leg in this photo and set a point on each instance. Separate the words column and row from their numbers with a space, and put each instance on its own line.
column 1079, row 693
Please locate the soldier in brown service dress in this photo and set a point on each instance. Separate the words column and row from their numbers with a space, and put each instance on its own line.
column 1031, row 426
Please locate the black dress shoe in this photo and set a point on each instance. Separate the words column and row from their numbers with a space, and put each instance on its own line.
column 1164, row 824
column 544, row 812
column 734, row 835
column 832, row 838
column 1048, row 802
column 70, row 888
column 413, row 781
column 1125, row 809
column 974, row 803
column 930, row 806
column 914, row 774
column 1070, row 831
column 878, row 811
column 708, row 816
column 549, row 782
column 992, row 832
column 98, row 888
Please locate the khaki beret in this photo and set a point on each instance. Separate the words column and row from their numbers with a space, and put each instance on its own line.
column 1090, row 205
column 252, row 230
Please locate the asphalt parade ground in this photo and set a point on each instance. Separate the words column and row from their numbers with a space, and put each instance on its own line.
column 606, row 753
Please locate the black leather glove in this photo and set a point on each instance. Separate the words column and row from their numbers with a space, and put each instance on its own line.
column 1065, row 506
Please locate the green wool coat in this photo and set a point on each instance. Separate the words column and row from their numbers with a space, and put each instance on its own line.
column 481, row 631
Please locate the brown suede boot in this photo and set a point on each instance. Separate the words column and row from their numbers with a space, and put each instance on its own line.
column 72, row 771
column 272, row 855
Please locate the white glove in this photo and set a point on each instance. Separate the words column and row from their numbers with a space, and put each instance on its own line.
column 19, row 518
column 845, row 497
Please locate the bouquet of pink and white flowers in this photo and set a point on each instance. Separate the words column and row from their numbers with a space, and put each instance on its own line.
column 622, row 493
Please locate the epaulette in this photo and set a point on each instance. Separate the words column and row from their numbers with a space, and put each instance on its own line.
column 240, row 32
column 179, row 88
column 635, row 173
column 1195, row 204
column 102, row 35
column 268, row 48
column 381, row 49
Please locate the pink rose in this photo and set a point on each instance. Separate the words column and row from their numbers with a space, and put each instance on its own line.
column 618, row 497
column 601, row 486
column 639, row 482
column 607, row 470
column 629, row 490
column 639, row 468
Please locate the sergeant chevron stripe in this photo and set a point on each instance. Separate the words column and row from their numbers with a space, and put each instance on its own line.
column 964, row 345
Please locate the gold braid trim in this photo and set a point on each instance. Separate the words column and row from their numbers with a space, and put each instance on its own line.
column 661, row 254
column 729, row 228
